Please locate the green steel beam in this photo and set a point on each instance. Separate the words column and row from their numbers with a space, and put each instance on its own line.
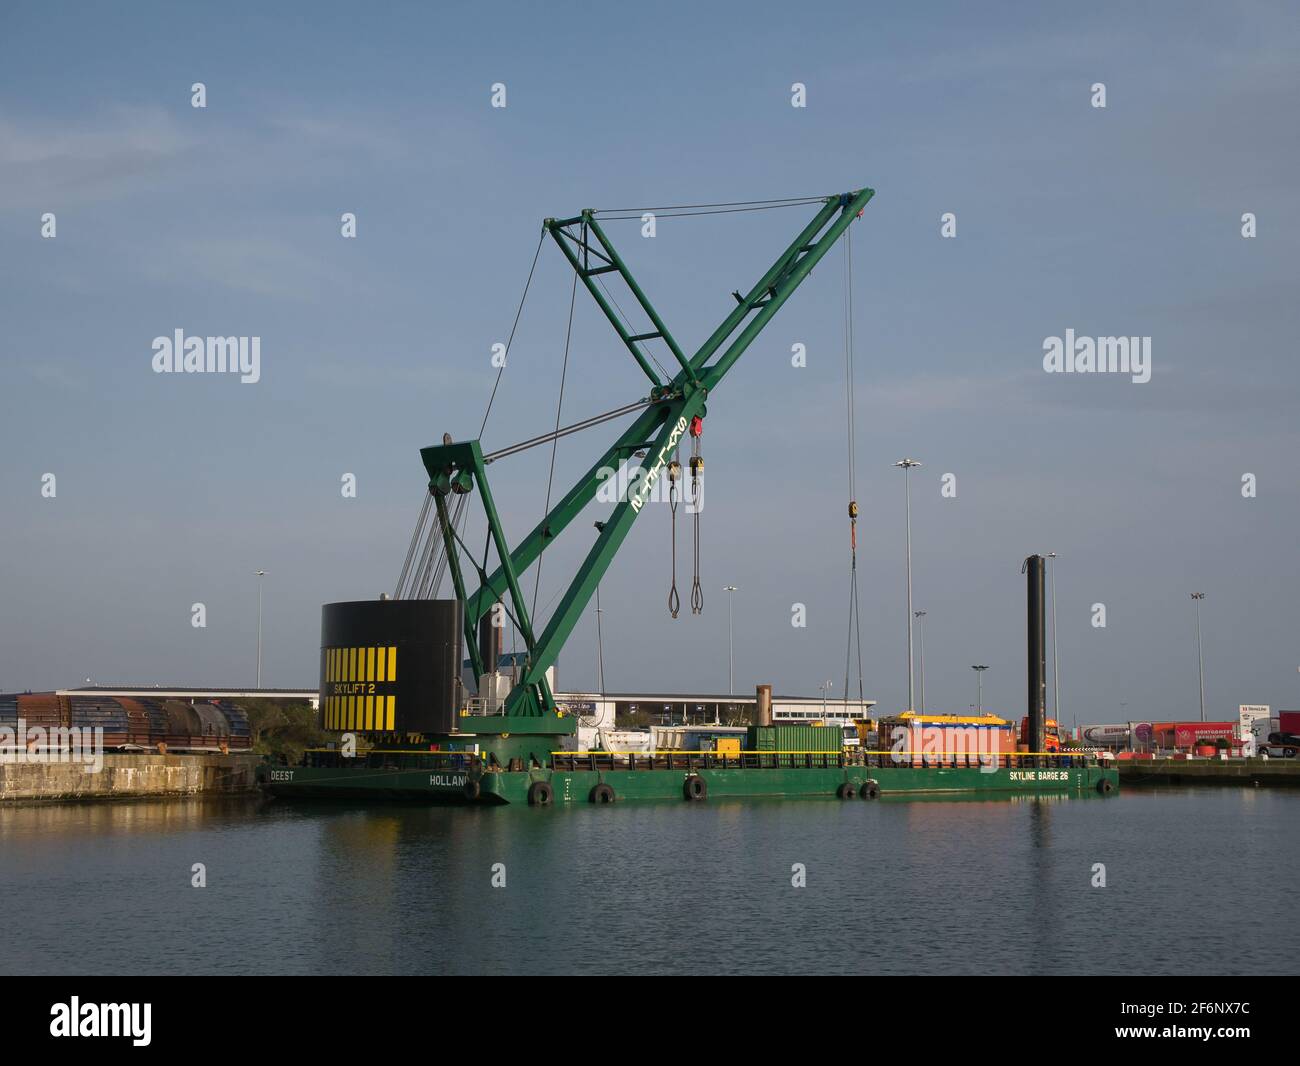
column 458, row 466
column 561, row 237
column 458, row 581
column 743, row 308
column 611, row 537
column 617, row 261
column 789, row 280
column 566, row 510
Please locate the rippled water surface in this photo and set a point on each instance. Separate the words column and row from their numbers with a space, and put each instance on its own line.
column 896, row 886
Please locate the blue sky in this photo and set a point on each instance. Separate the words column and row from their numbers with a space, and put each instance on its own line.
column 172, row 489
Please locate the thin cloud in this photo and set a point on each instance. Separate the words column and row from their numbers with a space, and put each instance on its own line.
column 45, row 161
column 258, row 265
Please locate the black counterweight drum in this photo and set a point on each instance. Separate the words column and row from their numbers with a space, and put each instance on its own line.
column 391, row 666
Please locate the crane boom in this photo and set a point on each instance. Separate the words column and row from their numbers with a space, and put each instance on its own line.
column 459, row 468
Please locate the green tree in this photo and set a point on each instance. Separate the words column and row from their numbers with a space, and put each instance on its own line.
column 283, row 727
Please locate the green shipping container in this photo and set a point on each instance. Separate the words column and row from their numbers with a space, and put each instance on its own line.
column 821, row 738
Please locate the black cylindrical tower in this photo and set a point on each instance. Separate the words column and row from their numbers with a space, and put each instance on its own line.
column 1036, row 650
column 391, row 666
column 489, row 641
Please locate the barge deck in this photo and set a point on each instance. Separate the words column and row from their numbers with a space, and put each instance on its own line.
column 601, row 777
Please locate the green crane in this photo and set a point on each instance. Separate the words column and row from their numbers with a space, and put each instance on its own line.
column 666, row 415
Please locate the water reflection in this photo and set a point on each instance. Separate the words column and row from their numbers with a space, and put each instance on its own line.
column 637, row 888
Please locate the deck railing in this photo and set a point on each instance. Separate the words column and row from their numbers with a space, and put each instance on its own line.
column 483, row 706
column 393, row 759
column 572, row 761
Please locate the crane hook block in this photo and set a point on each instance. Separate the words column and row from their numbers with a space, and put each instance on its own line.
column 697, row 465
column 853, row 508
column 697, row 426
column 674, row 471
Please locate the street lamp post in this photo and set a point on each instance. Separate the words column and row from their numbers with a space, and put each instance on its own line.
column 979, row 688
column 824, row 686
column 920, row 626
column 1200, row 658
column 731, row 645
column 906, row 466
column 600, row 644
column 259, row 575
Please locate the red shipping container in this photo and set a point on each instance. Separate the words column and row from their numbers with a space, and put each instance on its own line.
column 1288, row 721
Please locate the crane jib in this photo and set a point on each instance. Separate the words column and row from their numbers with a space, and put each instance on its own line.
column 456, row 469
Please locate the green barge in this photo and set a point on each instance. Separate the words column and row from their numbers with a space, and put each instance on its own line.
column 396, row 692
column 602, row 777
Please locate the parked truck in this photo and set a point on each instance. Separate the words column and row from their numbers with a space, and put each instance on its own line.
column 1278, row 738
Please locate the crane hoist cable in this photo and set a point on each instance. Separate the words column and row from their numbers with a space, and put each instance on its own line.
column 417, row 553
column 427, row 558
column 555, row 439
column 427, row 575
column 697, row 468
column 459, row 519
column 514, row 326
column 415, row 540
column 674, row 475
column 690, row 210
column 430, row 579
column 855, row 612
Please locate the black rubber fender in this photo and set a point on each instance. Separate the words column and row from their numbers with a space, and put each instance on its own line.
column 540, row 794
column 870, row 790
column 846, row 791
column 472, row 789
column 695, row 788
column 1105, row 787
column 601, row 793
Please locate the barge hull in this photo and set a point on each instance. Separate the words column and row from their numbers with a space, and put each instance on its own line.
column 577, row 786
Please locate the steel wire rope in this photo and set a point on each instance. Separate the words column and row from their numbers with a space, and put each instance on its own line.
column 555, row 443
column 855, row 609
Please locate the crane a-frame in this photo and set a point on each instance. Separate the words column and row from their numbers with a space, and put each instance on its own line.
column 459, row 468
